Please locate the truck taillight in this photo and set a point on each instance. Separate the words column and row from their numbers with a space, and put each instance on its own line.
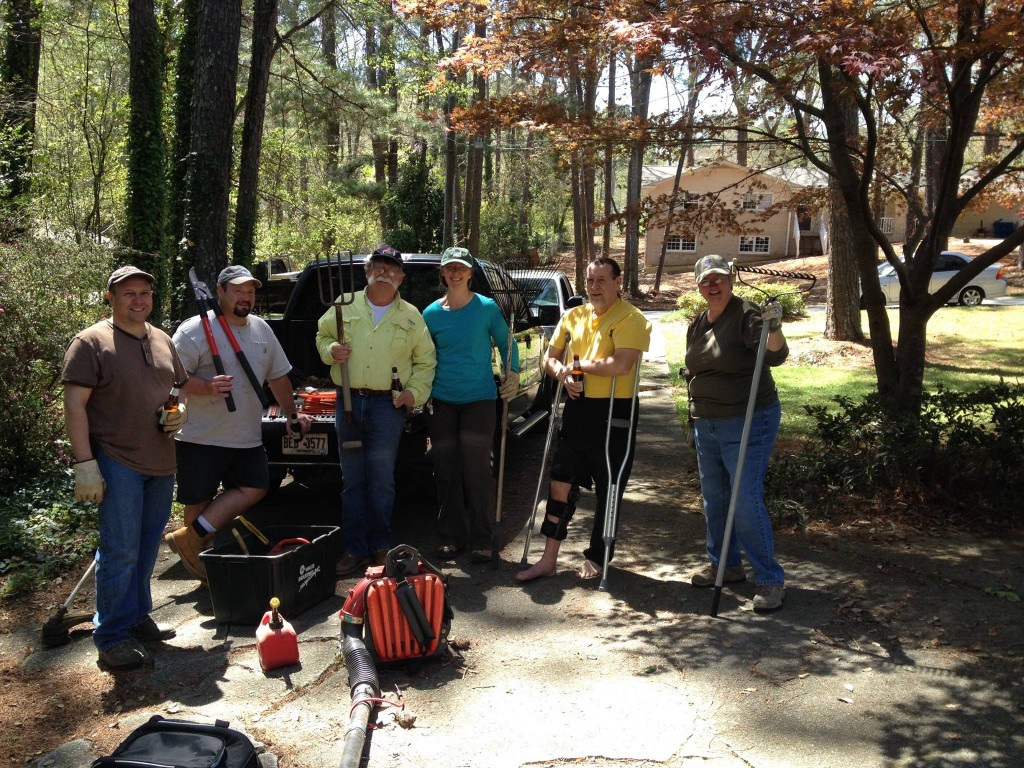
column 999, row 274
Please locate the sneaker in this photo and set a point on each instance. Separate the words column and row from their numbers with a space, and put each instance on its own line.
column 350, row 564
column 148, row 631
column 127, row 654
column 187, row 544
column 769, row 597
column 706, row 576
column 480, row 556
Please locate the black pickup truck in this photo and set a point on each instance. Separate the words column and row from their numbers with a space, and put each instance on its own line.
column 314, row 392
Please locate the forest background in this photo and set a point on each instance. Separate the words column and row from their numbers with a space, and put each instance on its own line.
column 207, row 132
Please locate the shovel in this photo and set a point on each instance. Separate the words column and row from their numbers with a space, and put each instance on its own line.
column 56, row 630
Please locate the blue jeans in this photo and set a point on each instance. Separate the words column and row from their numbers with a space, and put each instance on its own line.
column 718, row 448
column 133, row 516
column 368, row 472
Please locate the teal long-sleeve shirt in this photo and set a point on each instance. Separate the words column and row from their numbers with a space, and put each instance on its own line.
column 463, row 337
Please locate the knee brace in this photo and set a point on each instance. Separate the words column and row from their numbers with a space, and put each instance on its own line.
column 563, row 510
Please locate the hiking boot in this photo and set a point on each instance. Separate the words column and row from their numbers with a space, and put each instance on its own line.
column 187, row 544
column 380, row 556
column 148, row 631
column 705, row 577
column 480, row 556
column 769, row 597
column 350, row 564
column 127, row 654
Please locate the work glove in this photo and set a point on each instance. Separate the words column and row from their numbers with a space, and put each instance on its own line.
column 89, row 483
column 172, row 421
column 772, row 314
column 509, row 386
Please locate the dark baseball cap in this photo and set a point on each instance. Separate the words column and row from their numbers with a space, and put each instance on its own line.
column 123, row 273
column 388, row 253
column 236, row 274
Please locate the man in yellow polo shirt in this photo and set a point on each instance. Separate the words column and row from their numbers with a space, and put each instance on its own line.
column 381, row 331
column 608, row 335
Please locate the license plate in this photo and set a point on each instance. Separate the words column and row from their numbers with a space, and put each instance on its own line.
column 310, row 445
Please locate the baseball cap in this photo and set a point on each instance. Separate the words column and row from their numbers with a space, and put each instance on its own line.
column 457, row 255
column 236, row 274
column 712, row 264
column 388, row 253
column 123, row 273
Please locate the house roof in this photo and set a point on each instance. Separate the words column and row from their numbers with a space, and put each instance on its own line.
column 795, row 176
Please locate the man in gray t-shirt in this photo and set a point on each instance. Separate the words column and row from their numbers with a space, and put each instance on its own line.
column 222, row 447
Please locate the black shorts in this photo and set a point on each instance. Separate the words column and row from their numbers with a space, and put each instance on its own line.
column 203, row 468
column 580, row 454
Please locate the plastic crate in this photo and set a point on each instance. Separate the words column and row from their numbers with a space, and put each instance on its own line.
column 241, row 585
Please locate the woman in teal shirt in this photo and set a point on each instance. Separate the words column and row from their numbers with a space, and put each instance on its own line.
column 463, row 326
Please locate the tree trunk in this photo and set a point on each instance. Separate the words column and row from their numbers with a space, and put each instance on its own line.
column 147, row 177
column 213, row 113
column 669, row 219
column 20, row 76
column 609, row 165
column 842, row 299
column 332, row 124
column 184, row 84
column 247, row 206
column 640, row 96
column 475, row 164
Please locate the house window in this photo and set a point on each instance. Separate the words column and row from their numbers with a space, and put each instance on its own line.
column 690, row 200
column 753, row 201
column 755, row 244
column 685, row 243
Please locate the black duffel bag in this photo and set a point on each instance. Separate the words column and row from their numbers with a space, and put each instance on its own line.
column 161, row 743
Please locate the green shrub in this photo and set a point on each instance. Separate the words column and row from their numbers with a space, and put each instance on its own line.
column 48, row 292
column 962, row 459
column 42, row 533
column 503, row 237
column 692, row 303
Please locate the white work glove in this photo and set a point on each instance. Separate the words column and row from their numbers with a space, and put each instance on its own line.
column 172, row 421
column 509, row 386
column 772, row 314
column 89, row 483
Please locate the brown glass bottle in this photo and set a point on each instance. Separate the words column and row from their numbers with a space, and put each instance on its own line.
column 396, row 386
column 577, row 372
column 170, row 404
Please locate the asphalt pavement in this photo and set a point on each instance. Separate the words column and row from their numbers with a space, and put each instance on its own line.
column 899, row 653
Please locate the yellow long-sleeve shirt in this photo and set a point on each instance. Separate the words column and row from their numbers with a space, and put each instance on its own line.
column 401, row 340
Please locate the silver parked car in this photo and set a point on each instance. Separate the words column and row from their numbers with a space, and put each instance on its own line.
column 987, row 285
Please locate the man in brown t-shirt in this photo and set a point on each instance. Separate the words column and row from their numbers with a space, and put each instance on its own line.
column 117, row 375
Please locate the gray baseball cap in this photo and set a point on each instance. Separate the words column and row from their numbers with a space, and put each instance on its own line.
column 123, row 273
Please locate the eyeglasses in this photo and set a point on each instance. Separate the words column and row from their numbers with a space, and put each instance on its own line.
column 711, row 282
column 455, row 268
column 147, row 353
column 390, row 271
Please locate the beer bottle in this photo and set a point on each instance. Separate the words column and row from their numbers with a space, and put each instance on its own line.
column 577, row 372
column 170, row 404
column 396, row 386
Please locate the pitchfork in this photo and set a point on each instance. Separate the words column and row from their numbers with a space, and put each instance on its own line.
column 326, row 272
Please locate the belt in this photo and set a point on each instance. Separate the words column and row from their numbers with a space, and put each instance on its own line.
column 364, row 392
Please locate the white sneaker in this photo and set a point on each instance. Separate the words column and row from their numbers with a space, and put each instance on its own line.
column 769, row 597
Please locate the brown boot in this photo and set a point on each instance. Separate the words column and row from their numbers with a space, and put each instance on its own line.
column 187, row 544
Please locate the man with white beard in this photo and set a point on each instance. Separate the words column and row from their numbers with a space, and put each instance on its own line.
column 381, row 332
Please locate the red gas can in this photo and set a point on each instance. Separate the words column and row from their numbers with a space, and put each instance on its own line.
column 276, row 642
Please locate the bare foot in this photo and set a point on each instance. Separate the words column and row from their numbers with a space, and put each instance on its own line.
column 539, row 569
column 588, row 570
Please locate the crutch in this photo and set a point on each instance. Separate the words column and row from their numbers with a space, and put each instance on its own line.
column 611, row 504
column 762, row 346
column 554, row 419
column 325, row 284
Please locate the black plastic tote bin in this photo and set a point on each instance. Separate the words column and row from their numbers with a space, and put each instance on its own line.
column 241, row 585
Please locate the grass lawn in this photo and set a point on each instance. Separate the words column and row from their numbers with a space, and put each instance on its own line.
column 967, row 347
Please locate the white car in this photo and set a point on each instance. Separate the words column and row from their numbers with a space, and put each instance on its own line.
column 549, row 293
column 989, row 284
